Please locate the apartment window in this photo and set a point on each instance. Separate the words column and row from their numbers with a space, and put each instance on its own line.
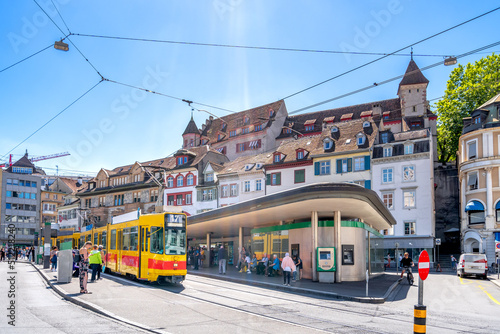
column 234, row 190
column 327, row 144
column 180, row 181
column 137, row 197
column 189, row 199
column 309, row 128
column 247, row 186
column 409, row 227
column 360, row 139
column 277, row 157
column 287, row 130
column 179, row 199
column 359, row 164
column 118, row 199
column 258, row 185
column 28, row 184
column 388, row 200
column 384, row 137
column 476, row 120
column 324, row 167
column 409, row 199
column 258, row 127
column 47, row 196
column 300, row 176
column 232, row 133
column 33, row 196
column 276, row 179
column 472, row 182
column 471, row 149
column 387, row 175
column 409, row 148
column 225, row 191
column 300, row 155
column 170, row 200
column 9, row 181
column 209, row 177
column 190, row 179
column 154, row 195
column 211, row 194
column 15, row 182
column 408, row 173
column 88, row 202
column 240, row 147
column 101, row 201
column 245, row 130
column 388, row 151
column 170, row 182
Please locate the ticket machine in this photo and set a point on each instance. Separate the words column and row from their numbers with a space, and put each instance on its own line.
column 325, row 264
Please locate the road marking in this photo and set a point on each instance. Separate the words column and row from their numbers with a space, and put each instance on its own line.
column 466, row 282
column 488, row 294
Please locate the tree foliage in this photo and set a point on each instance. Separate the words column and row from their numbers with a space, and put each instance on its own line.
column 468, row 88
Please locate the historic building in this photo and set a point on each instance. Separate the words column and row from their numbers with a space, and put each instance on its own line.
column 479, row 172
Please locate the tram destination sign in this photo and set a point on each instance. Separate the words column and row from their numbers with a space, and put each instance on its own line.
column 175, row 220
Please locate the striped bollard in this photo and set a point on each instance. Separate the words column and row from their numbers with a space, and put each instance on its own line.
column 419, row 319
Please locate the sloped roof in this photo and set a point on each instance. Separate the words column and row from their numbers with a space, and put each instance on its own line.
column 413, row 75
column 392, row 106
column 191, row 127
column 311, row 144
column 347, row 131
column 72, row 184
column 494, row 99
column 258, row 115
column 407, row 135
column 238, row 164
column 24, row 162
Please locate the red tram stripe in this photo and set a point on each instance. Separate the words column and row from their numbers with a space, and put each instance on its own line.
column 166, row 265
column 131, row 261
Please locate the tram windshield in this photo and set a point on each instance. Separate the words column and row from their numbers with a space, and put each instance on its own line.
column 175, row 234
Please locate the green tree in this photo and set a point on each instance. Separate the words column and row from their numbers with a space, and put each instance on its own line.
column 468, row 88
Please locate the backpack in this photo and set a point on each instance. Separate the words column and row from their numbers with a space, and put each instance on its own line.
column 76, row 258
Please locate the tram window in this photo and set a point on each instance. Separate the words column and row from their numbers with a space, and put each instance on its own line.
column 103, row 239
column 96, row 237
column 112, row 241
column 175, row 241
column 126, row 239
column 276, row 245
column 258, row 245
column 89, row 237
column 142, row 239
column 82, row 241
column 156, row 240
column 134, row 237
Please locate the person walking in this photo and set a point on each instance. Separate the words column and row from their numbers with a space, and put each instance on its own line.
column 222, row 258
column 2, row 254
column 103, row 257
column 241, row 258
column 453, row 263
column 84, row 266
column 53, row 259
column 95, row 262
column 196, row 258
column 288, row 267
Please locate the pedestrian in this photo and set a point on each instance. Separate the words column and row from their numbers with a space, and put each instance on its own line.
column 23, row 254
column 288, row 267
column 222, row 257
column 453, row 263
column 2, row 254
column 241, row 258
column 196, row 259
column 388, row 261
column 253, row 262
column 53, row 259
column 76, row 262
column 202, row 256
column 247, row 263
column 32, row 253
column 95, row 262
column 274, row 266
column 400, row 259
column 102, row 266
column 298, row 264
column 84, row 266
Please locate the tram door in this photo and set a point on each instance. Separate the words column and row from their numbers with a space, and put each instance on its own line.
column 119, row 247
column 143, row 253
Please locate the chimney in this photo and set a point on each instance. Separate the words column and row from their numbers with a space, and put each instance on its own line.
column 376, row 110
column 203, row 126
column 211, row 118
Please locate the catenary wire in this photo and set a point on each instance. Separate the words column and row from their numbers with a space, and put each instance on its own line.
column 253, row 47
column 385, row 56
column 54, row 117
column 20, row 61
column 64, row 22
column 392, row 79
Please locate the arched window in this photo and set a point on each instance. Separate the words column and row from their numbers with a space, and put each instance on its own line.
column 190, row 179
column 170, row 182
column 180, row 181
column 475, row 211
column 497, row 211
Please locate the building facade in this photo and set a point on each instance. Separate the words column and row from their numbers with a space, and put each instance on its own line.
column 479, row 173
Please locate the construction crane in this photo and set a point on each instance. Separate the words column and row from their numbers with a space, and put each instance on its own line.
column 40, row 158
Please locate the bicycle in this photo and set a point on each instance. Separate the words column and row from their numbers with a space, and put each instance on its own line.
column 409, row 275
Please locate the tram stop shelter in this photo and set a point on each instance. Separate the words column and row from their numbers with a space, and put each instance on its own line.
column 303, row 220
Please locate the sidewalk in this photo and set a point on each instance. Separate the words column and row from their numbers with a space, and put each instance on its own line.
column 379, row 287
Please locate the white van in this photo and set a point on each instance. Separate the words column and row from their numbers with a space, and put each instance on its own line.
column 472, row 264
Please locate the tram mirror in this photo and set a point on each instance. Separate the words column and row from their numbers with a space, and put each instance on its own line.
column 325, row 259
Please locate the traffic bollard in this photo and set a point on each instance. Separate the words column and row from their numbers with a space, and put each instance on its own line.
column 419, row 319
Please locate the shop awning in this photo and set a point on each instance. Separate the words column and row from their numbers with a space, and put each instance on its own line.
column 474, row 206
column 497, row 206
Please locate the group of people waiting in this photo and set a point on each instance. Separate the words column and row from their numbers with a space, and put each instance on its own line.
column 88, row 256
column 17, row 253
column 196, row 256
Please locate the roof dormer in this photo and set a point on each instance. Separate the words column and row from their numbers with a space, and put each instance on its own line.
column 278, row 157
column 301, row 154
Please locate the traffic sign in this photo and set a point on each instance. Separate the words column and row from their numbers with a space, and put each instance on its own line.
column 423, row 265
column 438, row 241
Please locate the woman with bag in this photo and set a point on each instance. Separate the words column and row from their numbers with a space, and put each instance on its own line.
column 53, row 259
column 84, row 266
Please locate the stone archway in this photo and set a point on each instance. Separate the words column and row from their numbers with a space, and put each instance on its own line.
column 472, row 242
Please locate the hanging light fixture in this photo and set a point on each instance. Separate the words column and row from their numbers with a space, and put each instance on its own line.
column 61, row 46
column 450, row 61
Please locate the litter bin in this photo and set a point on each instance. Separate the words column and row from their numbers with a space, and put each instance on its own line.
column 39, row 259
column 64, row 266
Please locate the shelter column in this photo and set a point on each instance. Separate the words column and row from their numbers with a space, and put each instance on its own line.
column 240, row 243
column 314, row 244
column 338, row 248
column 490, row 224
column 206, row 263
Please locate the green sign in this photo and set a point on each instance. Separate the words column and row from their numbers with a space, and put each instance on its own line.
column 66, row 245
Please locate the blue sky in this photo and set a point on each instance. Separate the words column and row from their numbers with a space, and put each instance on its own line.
column 115, row 125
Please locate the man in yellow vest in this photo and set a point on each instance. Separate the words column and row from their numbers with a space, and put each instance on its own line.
column 95, row 262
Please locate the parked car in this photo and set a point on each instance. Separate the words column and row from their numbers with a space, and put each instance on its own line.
column 472, row 264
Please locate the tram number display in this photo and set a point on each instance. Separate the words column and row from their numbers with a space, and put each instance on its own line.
column 173, row 220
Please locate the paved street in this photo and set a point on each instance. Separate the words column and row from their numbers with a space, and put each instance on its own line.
column 40, row 310
column 212, row 306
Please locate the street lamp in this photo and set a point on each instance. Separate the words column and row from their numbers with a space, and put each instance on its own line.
column 450, row 61
column 61, row 46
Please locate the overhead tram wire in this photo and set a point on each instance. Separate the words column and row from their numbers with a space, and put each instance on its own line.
column 60, row 16
column 392, row 53
column 67, row 37
column 376, row 84
column 252, row 47
column 166, row 95
column 54, row 117
column 20, row 61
